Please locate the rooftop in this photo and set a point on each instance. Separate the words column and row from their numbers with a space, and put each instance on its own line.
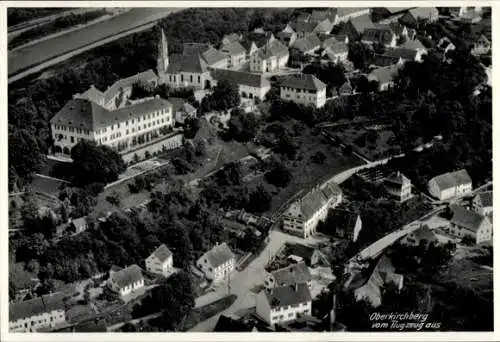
column 486, row 198
column 162, row 253
column 307, row 43
column 467, row 219
column 219, row 254
column 232, row 48
column 452, row 179
column 288, row 295
column 384, row 74
column 295, row 273
column 241, row 77
column 413, row 44
column 303, row 81
column 362, row 23
column 36, row 306
column 397, row 178
column 127, row 276
column 379, row 34
column 398, row 53
column 342, row 11
column 273, row 48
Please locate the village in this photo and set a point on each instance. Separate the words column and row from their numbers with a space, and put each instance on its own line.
column 298, row 213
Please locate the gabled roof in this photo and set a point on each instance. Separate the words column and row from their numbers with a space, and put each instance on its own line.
column 127, row 276
column 424, row 233
column 36, row 306
column 342, row 11
column 81, row 221
column 384, row 74
column 405, row 54
column 303, row 81
column 273, row 48
column 413, row 44
column 241, row 77
column 212, row 56
column 194, row 48
column 320, row 15
column 187, row 108
column 313, row 201
column 295, row 273
column 233, row 37
column 232, row 48
column 288, row 29
column 467, row 219
column 186, row 63
column 424, row 12
column 336, row 48
column 143, row 77
column 218, row 255
column 383, row 60
column 288, row 295
column 93, row 94
column 303, row 26
column 397, row 178
column 162, row 253
column 324, row 26
column 452, row 179
column 361, row 23
column 378, row 34
column 486, row 198
column 307, row 43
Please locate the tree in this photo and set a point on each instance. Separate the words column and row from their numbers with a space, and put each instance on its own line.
column 225, row 95
column 242, row 127
column 360, row 55
column 279, row 176
column 230, row 174
column 191, row 127
column 113, row 198
column 286, row 147
column 26, row 154
column 259, row 200
column 181, row 166
column 200, row 147
column 318, row 157
column 93, row 163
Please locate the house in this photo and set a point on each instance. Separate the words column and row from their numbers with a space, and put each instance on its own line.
column 285, row 303
column 319, row 15
column 302, row 217
column 379, row 34
column 78, row 225
column 233, row 37
column 235, row 52
column 399, row 30
column 414, row 45
column 346, row 89
column 189, row 68
column 355, row 27
column 481, row 46
column 403, row 55
column 398, row 186
column 470, row 223
column 160, row 261
column 347, row 224
column 450, row 184
column 307, row 45
column 368, row 284
column 344, row 14
column 423, row 235
column 217, row 263
column 482, row 203
column 305, row 89
column 251, row 85
column 122, row 129
column 250, row 47
column 287, row 36
column 186, row 111
column 290, row 275
column 311, row 256
column 116, row 95
column 46, row 311
column 413, row 16
column 271, row 57
column 305, row 28
column 126, row 281
column 336, row 51
column 384, row 76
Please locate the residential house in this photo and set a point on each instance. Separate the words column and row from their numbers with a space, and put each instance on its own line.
column 319, row 15
column 355, row 27
column 347, row 224
column 414, row 45
column 126, row 281
column 186, row 111
column 344, row 14
column 287, row 36
column 285, row 303
column 481, row 46
column 384, row 76
column 271, row 57
column 379, row 34
column 413, row 16
column 368, row 284
column 312, row 257
column 235, row 52
column 117, row 95
column 423, row 235
column 218, row 263
column 346, row 89
column 307, row 45
column 160, row 261
column 250, row 47
column 233, row 37
column 305, row 89
column 335, row 50
column 288, row 276
column 399, row 30
column 251, row 85
column 46, row 311
column 78, row 225
column 403, row 55
column 450, row 184
column 302, row 217
column 305, row 28
column 122, row 129
column 398, row 186
column 470, row 223
column 482, row 203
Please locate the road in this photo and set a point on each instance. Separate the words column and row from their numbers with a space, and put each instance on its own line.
column 35, row 58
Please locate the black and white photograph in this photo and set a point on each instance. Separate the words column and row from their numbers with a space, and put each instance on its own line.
column 289, row 169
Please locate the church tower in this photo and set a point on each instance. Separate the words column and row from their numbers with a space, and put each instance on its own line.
column 162, row 62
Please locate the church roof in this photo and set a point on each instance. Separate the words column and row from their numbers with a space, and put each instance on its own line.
column 186, row 63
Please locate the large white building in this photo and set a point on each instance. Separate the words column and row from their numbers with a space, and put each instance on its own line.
column 34, row 314
column 123, row 128
column 450, row 184
column 250, row 85
column 302, row 217
column 270, row 57
column 160, row 261
column 470, row 223
column 218, row 263
column 305, row 89
column 284, row 303
column 126, row 281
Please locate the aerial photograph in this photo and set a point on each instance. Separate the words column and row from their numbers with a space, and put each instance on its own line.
column 249, row 169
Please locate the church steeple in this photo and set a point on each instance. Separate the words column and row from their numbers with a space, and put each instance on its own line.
column 162, row 62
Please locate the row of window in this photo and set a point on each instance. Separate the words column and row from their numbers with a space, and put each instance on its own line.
column 173, row 78
column 297, row 90
column 287, row 307
column 35, row 322
column 72, row 129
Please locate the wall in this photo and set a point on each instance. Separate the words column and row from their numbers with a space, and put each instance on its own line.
column 170, row 143
column 317, row 99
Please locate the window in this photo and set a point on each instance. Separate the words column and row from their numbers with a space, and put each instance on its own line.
column 191, row 78
column 182, row 77
column 210, row 269
column 72, row 139
column 291, row 314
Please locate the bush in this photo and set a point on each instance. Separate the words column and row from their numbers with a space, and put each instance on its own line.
column 279, row 176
